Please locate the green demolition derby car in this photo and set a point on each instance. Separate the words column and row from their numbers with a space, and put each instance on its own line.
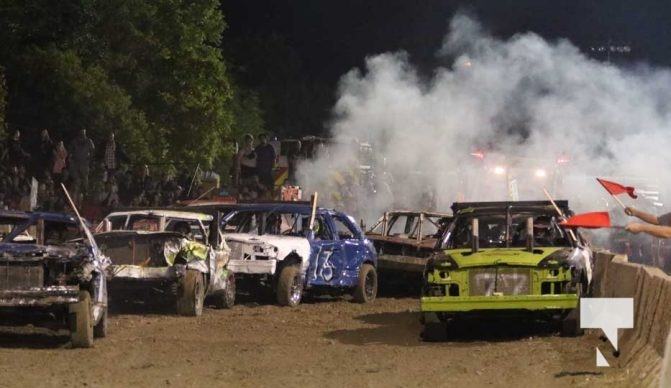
column 498, row 258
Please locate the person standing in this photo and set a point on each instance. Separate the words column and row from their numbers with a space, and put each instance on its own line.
column 45, row 153
column 110, row 156
column 245, row 162
column 60, row 156
column 17, row 155
column 81, row 153
column 265, row 162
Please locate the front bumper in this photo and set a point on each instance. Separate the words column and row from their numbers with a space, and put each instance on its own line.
column 44, row 296
column 503, row 302
column 252, row 266
column 139, row 272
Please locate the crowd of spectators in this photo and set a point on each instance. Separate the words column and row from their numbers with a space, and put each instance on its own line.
column 100, row 176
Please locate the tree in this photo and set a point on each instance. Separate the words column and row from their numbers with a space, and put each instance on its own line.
column 151, row 71
column 166, row 55
column 3, row 98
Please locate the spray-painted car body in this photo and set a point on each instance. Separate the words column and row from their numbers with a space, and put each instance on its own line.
column 150, row 259
column 271, row 237
column 42, row 271
column 404, row 240
column 506, row 256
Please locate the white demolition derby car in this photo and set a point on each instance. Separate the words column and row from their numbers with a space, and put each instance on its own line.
column 273, row 248
column 167, row 253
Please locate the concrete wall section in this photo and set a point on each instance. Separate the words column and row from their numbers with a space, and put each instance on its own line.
column 642, row 348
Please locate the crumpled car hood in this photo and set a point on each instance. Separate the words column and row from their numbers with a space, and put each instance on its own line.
column 501, row 256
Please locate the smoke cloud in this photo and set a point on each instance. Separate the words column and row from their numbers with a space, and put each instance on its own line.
column 524, row 102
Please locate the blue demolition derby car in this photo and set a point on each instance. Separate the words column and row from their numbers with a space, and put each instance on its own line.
column 284, row 248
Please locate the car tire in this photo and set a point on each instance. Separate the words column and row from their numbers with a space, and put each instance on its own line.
column 366, row 288
column 100, row 329
column 570, row 324
column 81, row 325
column 191, row 294
column 289, row 286
column 225, row 299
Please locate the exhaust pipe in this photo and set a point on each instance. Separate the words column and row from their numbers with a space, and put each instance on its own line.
column 530, row 234
column 475, row 236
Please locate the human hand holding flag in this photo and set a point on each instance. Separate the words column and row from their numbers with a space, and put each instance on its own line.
column 616, row 189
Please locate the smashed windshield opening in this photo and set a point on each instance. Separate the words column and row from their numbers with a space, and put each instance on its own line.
column 494, row 231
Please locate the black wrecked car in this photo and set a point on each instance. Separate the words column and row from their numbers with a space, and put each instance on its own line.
column 48, row 281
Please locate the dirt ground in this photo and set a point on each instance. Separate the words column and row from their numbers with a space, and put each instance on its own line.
column 324, row 343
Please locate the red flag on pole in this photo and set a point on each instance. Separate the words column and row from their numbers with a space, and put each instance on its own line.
column 616, row 188
column 588, row 220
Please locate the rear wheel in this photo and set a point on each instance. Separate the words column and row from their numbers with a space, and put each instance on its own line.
column 81, row 323
column 225, row 299
column 289, row 286
column 191, row 294
column 366, row 288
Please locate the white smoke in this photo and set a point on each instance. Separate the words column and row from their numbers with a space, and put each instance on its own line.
column 523, row 97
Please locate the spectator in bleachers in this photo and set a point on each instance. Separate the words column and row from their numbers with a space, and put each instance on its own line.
column 60, row 156
column 81, row 154
column 16, row 154
column 44, row 154
column 111, row 161
column 265, row 162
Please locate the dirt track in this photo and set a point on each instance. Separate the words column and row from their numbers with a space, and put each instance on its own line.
column 324, row 343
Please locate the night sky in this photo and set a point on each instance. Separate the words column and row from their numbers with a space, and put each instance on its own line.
column 333, row 36
column 330, row 37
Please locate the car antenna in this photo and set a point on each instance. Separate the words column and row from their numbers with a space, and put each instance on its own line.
column 87, row 232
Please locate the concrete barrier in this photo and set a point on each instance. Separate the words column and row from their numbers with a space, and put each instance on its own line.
column 642, row 348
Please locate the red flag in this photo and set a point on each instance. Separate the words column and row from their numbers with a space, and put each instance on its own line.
column 588, row 220
column 616, row 188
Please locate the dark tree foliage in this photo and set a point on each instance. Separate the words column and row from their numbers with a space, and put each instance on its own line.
column 152, row 72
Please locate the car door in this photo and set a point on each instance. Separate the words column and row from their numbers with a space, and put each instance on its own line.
column 327, row 256
column 351, row 243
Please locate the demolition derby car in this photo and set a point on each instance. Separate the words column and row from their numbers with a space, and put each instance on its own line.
column 47, row 280
column 508, row 257
column 169, row 253
column 404, row 240
column 286, row 248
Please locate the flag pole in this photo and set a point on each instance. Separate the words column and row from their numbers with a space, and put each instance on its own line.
column 561, row 214
column 619, row 201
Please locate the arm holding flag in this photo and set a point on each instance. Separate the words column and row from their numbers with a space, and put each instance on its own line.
column 659, row 231
column 643, row 216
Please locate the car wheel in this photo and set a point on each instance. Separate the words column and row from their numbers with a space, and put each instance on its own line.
column 81, row 326
column 225, row 299
column 366, row 288
column 100, row 329
column 191, row 294
column 289, row 286
column 570, row 324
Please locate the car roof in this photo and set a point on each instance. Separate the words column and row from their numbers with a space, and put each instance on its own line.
column 47, row 216
column 187, row 215
column 466, row 208
column 292, row 207
column 126, row 233
column 417, row 212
